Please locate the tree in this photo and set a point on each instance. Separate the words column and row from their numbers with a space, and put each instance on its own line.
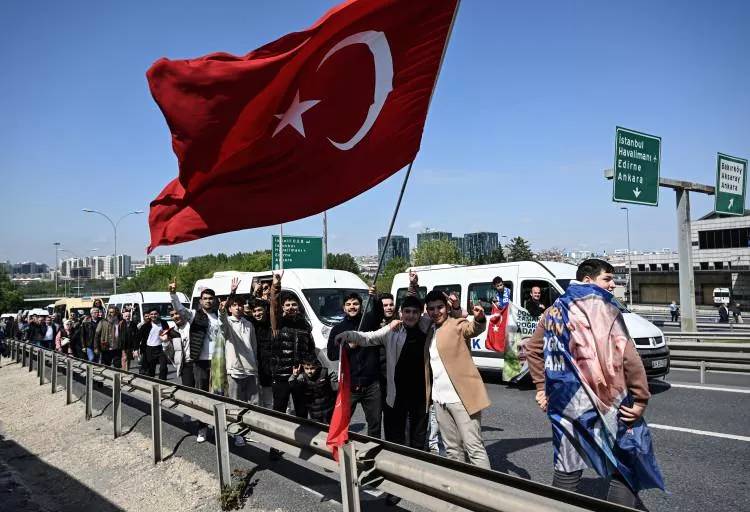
column 496, row 256
column 435, row 252
column 11, row 300
column 393, row 267
column 519, row 250
column 344, row 261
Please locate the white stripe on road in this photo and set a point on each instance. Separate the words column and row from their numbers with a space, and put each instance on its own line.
column 700, row 432
column 710, row 388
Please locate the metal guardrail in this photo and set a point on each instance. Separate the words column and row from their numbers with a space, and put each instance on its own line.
column 733, row 357
column 434, row 482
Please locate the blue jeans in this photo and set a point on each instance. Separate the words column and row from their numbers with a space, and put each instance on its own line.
column 435, row 441
column 94, row 358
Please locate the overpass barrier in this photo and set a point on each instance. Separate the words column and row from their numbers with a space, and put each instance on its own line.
column 733, row 356
column 433, row 482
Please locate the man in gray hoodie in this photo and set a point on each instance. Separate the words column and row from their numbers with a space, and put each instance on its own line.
column 240, row 352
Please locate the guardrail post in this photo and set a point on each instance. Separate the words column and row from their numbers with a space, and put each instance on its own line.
column 53, row 376
column 222, row 445
column 42, row 363
column 349, row 479
column 703, row 372
column 31, row 358
column 89, row 391
column 68, row 381
column 117, row 405
column 23, row 356
column 156, row 421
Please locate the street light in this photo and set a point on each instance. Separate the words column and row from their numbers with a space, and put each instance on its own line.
column 57, row 262
column 630, row 265
column 114, row 228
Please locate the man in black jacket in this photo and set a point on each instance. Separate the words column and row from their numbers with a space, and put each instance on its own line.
column 364, row 363
column 151, row 335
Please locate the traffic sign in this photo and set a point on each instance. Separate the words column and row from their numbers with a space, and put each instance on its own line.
column 730, row 185
column 636, row 171
column 299, row 252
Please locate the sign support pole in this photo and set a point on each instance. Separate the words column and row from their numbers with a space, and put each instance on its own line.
column 325, row 238
column 281, row 246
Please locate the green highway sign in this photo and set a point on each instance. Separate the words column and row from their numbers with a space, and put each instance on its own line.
column 730, row 185
column 636, row 171
column 299, row 252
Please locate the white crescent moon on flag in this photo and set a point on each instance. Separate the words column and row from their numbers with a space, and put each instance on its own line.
column 381, row 54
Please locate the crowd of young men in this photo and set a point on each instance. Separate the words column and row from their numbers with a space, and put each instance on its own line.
column 407, row 366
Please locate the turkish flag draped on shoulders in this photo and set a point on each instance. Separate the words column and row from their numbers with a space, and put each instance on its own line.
column 301, row 124
column 338, row 430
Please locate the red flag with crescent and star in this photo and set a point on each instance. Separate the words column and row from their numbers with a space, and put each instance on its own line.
column 301, row 124
column 338, row 430
column 497, row 328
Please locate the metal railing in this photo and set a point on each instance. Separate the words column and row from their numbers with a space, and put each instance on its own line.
column 434, row 482
column 705, row 356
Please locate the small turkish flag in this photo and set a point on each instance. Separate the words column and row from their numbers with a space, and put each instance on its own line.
column 338, row 430
column 497, row 328
column 301, row 124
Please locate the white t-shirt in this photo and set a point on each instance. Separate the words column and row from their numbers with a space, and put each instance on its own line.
column 214, row 328
column 49, row 333
column 443, row 391
column 153, row 335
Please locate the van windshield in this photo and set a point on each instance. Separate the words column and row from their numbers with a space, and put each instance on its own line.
column 162, row 307
column 328, row 303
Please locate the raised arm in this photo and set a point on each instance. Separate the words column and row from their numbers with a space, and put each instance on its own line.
column 366, row 339
column 474, row 327
column 186, row 314
column 275, row 307
column 374, row 313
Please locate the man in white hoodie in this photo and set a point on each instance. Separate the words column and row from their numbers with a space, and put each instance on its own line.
column 241, row 349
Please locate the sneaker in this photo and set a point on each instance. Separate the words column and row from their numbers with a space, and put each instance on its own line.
column 186, row 419
column 202, row 434
column 239, row 441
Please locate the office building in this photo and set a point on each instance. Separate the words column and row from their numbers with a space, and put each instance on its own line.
column 433, row 235
column 398, row 247
column 479, row 245
column 162, row 259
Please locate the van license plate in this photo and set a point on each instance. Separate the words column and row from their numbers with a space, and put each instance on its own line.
column 659, row 363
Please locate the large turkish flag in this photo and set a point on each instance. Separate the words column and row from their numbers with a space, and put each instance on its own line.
column 301, row 124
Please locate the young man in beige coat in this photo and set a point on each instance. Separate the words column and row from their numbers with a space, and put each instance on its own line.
column 456, row 388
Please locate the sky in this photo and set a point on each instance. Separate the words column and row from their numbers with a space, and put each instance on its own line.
column 520, row 129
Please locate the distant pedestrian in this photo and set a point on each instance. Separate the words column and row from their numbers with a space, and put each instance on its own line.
column 723, row 314
column 737, row 313
column 674, row 311
column 152, row 335
column 107, row 339
column 128, row 338
column 88, row 330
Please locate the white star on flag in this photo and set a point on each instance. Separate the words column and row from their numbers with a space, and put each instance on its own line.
column 293, row 115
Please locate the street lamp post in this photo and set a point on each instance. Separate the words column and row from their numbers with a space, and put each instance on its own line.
column 57, row 262
column 630, row 265
column 114, row 228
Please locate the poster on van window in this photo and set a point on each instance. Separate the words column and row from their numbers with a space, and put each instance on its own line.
column 506, row 328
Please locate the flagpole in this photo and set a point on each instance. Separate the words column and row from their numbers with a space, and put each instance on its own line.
column 408, row 170
column 325, row 238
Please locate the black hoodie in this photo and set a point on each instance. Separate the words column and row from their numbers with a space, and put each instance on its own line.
column 364, row 362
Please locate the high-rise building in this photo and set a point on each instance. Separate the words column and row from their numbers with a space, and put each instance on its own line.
column 477, row 245
column 398, row 247
column 162, row 259
column 433, row 235
column 123, row 265
column 459, row 241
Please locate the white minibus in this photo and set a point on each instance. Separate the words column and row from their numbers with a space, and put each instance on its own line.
column 141, row 303
column 474, row 284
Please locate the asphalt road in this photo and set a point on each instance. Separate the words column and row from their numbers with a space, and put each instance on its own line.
column 701, row 435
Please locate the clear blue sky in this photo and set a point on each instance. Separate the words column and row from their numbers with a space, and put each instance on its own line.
column 521, row 126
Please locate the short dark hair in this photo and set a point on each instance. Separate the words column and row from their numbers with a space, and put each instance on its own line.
column 311, row 359
column 387, row 296
column 231, row 301
column 412, row 301
column 353, row 296
column 435, row 295
column 152, row 310
column 257, row 303
column 208, row 291
column 497, row 280
column 288, row 296
column 591, row 268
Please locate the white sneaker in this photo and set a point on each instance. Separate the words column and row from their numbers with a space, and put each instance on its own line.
column 239, row 441
column 202, row 434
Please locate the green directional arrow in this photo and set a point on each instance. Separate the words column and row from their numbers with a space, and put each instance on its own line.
column 636, row 169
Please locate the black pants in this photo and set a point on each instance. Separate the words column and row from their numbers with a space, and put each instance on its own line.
column 411, row 412
column 202, row 374
column 187, row 377
column 281, row 393
column 369, row 397
column 155, row 355
column 674, row 315
column 112, row 358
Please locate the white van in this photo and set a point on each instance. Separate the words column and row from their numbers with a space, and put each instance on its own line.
column 473, row 284
column 141, row 303
column 320, row 293
column 721, row 296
